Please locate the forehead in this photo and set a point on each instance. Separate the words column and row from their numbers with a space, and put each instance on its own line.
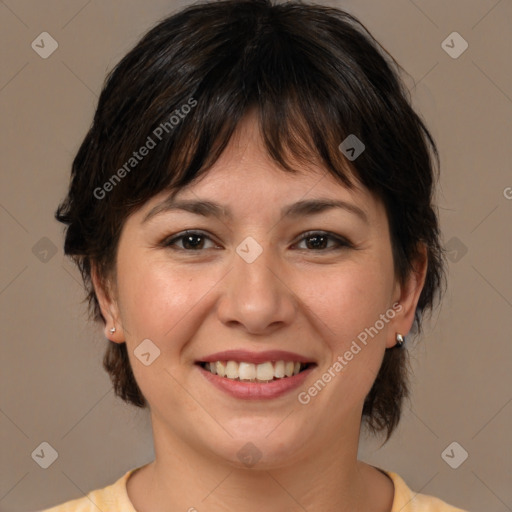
column 246, row 178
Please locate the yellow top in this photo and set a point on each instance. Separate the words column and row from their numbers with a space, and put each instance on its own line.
column 114, row 498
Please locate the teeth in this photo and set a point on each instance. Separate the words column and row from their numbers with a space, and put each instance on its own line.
column 220, row 366
column 232, row 370
column 279, row 369
column 247, row 371
column 265, row 372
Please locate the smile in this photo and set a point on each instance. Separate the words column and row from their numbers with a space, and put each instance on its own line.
column 265, row 372
column 255, row 381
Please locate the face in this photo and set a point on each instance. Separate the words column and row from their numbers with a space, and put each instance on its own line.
column 314, row 286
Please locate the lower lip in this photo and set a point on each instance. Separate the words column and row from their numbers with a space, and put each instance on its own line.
column 255, row 390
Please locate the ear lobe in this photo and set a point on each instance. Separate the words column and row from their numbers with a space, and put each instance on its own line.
column 108, row 306
column 409, row 295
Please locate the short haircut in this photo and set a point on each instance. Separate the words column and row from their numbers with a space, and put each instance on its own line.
column 315, row 75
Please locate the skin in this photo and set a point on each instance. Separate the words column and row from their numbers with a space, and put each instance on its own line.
column 292, row 297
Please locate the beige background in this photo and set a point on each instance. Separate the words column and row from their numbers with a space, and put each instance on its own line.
column 53, row 388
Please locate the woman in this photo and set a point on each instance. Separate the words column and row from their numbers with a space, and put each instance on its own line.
column 252, row 215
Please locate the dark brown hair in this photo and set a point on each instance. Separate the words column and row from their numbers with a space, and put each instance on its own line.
column 315, row 75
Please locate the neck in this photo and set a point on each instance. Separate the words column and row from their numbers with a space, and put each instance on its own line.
column 327, row 477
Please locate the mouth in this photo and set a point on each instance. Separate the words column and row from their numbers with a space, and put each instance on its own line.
column 250, row 375
column 255, row 381
column 261, row 373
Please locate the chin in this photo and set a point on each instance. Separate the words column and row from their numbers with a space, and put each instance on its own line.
column 261, row 448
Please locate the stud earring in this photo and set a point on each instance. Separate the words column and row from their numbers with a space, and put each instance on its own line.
column 399, row 340
column 112, row 330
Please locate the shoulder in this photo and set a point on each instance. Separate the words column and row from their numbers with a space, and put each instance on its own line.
column 112, row 497
column 407, row 500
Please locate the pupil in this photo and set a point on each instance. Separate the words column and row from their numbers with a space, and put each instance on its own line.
column 186, row 241
column 316, row 239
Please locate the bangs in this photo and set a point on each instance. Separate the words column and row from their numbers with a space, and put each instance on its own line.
column 309, row 96
column 296, row 132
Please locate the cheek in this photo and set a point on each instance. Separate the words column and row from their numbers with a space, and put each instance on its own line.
column 164, row 304
column 156, row 297
column 347, row 307
column 346, row 300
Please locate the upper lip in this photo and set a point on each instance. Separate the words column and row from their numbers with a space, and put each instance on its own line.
column 255, row 357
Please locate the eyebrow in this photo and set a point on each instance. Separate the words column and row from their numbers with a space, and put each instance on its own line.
column 212, row 209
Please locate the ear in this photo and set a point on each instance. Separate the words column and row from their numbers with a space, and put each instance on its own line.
column 108, row 305
column 407, row 296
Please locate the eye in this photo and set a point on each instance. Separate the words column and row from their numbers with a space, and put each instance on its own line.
column 191, row 240
column 318, row 241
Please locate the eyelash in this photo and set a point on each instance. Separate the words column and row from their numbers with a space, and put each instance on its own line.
column 342, row 243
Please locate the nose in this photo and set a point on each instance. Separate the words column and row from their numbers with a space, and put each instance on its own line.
column 257, row 296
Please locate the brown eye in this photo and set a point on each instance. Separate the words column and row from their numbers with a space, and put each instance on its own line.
column 190, row 241
column 318, row 241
